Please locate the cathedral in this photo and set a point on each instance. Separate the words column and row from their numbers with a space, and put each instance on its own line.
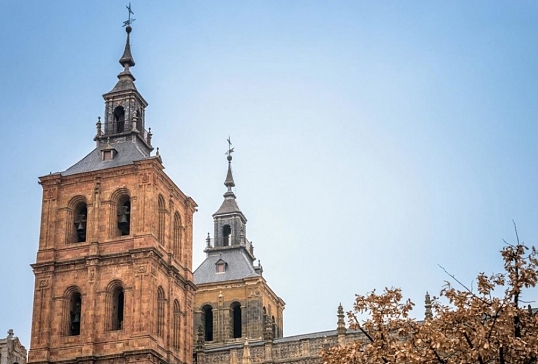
column 114, row 281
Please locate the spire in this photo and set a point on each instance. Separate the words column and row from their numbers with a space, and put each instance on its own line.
column 124, row 106
column 229, row 182
column 229, row 205
column 127, row 59
column 428, row 307
column 341, row 324
column 246, row 353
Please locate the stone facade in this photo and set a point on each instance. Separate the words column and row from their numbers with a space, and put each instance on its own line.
column 301, row 349
column 233, row 301
column 11, row 350
column 258, row 304
column 113, row 274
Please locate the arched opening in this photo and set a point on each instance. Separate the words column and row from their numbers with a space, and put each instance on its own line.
column 177, row 236
column 75, row 313
column 160, row 228
column 124, row 215
column 226, row 232
column 79, row 223
column 208, row 322
column 275, row 329
column 119, row 119
column 160, row 311
column 139, row 120
column 176, row 328
column 236, row 320
column 118, row 303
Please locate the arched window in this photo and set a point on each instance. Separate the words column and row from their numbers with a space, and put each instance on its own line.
column 124, row 215
column 207, row 317
column 140, row 120
column 75, row 313
column 275, row 329
column 236, row 320
column 118, row 305
column 79, row 224
column 119, row 119
column 160, row 311
column 177, row 236
column 226, row 232
column 176, row 325
column 160, row 228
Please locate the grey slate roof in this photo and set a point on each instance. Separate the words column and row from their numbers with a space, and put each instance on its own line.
column 312, row 335
column 239, row 267
column 124, row 84
column 127, row 152
column 229, row 205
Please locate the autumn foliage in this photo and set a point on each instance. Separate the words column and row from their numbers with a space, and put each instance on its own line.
column 490, row 324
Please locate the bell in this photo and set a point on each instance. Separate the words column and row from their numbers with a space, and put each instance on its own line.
column 80, row 227
column 76, row 319
column 123, row 219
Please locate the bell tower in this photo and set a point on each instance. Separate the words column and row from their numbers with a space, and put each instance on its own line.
column 233, row 302
column 113, row 273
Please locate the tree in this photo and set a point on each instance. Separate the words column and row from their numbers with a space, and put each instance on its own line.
column 490, row 325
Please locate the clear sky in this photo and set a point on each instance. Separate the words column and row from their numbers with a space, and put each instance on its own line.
column 374, row 140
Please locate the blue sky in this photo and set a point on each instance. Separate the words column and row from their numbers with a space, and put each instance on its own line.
column 374, row 140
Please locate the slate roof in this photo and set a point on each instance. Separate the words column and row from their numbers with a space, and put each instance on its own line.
column 312, row 335
column 228, row 206
column 126, row 153
column 124, row 83
column 239, row 266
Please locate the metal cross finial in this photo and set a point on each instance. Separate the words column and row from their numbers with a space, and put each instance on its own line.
column 230, row 149
column 129, row 21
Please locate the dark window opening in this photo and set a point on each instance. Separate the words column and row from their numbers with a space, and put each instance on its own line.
column 226, row 232
column 117, row 308
column 81, row 213
column 119, row 119
column 275, row 331
column 139, row 121
column 124, row 216
column 75, row 314
column 237, row 324
column 177, row 236
column 208, row 323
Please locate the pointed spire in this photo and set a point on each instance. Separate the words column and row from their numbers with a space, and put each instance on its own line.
column 341, row 324
column 428, row 307
column 126, row 59
column 229, row 182
column 246, row 353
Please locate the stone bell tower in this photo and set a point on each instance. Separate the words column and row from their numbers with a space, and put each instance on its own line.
column 233, row 301
column 113, row 274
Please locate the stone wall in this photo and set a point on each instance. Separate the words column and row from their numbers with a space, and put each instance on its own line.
column 302, row 349
column 11, row 350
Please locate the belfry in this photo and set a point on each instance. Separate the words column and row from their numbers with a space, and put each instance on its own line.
column 113, row 274
column 233, row 301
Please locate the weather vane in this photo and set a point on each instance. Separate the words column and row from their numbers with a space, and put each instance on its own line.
column 129, row 21
column 230, row 149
